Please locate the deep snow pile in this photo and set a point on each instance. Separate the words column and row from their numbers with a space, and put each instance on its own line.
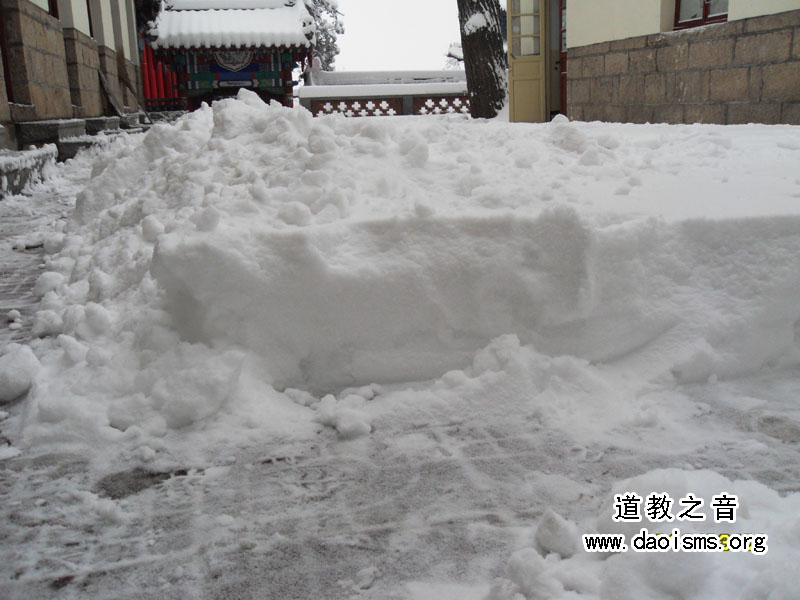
column 326, row 253
column 252, row 272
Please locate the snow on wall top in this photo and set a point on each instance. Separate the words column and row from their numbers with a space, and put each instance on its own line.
column 381, row 90
column 228, row 4
column 197, row 23
column 321, row 77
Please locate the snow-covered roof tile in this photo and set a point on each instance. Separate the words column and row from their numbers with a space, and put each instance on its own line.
column 226, row 4
column 196, row 23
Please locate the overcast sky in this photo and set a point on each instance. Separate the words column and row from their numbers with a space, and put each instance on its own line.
column 392, row 35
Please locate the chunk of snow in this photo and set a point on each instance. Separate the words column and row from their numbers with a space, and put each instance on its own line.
column 474, row 23
column 47, row 282
column 151, row 228
column 18, row 369
column 47, row 322
column 7, row 452
column 555, row 534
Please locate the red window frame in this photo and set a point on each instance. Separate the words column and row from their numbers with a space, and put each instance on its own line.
column 53, row 8
column 705, row 19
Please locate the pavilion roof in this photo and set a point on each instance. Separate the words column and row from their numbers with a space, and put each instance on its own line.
column 233, row 24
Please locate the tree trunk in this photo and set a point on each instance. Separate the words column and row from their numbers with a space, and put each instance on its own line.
column 484, row 58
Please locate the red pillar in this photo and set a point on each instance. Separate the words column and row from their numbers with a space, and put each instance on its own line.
column 160, row 79
column 145, row 77
column 151, row 73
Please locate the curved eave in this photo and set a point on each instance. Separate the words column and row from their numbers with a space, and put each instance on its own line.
column 167, row 49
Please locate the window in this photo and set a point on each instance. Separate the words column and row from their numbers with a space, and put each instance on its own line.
column 525, row 28
column 693, row 13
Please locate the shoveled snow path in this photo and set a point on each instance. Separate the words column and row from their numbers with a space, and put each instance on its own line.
column 447, row 500
column 24, row 219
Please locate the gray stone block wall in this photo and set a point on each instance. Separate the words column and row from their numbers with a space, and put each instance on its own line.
column 738, row 72
column 131, row 72
column 82, row 65
column 108, row 65
column 36, row 59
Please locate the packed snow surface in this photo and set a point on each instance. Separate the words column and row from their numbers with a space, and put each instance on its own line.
column 420, row 353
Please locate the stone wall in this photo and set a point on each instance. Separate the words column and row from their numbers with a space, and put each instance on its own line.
column 738, row 72
column 412, row 103
column 36, row 59
column 108, row 65
column 133, row 74
column 82, row 65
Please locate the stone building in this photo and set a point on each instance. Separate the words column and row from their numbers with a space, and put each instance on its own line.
column 66, row 60
column 668, row 61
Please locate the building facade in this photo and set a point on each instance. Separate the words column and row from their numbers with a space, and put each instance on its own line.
column 67, row 59
column 670, row 61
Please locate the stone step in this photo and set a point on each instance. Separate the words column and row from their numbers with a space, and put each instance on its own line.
column 49, row 132
column 95, row 125
column 129, row 121
column 69, row 148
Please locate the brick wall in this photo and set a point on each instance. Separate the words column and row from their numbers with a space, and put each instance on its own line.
column 82, row 65
column 738, row 72
column 36, row 59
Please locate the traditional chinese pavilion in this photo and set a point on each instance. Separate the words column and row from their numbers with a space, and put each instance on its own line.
column 202, row 50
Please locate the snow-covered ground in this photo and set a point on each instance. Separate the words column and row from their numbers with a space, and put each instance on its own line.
column 279, row 356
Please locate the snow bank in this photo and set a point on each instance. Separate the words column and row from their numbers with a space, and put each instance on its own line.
column 255, row 243
column 452, row 336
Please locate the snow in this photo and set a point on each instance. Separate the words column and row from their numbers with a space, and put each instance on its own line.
column 474, row 23
column 225, row 4
column 278, row 24
column 341, row 78
column 381, row 90
column 12, row 160
column 18, row 368
column 410, row 357
column 456, row 51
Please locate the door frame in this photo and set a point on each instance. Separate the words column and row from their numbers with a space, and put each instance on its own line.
column 562, row 50
column 543, row 57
